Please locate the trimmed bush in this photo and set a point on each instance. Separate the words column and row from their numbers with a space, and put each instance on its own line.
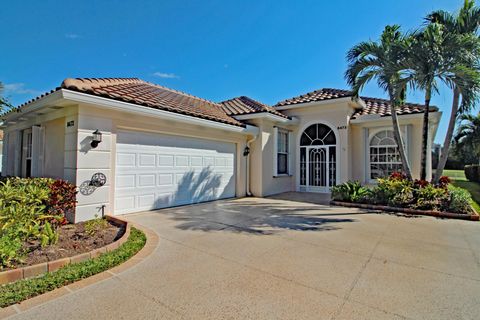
column 472, row 172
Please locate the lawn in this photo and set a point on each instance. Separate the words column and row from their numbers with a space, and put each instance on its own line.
column 459, row 180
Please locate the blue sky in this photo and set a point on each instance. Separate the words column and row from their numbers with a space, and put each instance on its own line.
column 268, row 50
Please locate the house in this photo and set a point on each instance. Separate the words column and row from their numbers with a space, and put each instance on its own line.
column 130, row 145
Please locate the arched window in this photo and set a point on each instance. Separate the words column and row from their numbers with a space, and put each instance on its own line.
column 318, row 134
column 384, row 156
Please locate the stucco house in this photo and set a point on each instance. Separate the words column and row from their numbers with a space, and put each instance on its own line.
column 130, row 145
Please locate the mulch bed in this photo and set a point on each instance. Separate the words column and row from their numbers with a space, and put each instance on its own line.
column 72, row 240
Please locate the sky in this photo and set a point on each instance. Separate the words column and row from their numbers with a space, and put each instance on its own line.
column 267, row 50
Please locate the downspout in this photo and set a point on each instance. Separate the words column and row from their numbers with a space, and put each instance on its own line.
column 249, row 193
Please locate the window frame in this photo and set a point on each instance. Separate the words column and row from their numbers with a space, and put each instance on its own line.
column 279, row 134
column 386, row 154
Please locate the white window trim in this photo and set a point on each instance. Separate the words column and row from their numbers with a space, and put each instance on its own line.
column 275, row 152
column 371, row 132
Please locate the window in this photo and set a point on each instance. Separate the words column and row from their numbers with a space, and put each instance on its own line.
column 27, row 152
column 384, row 156
column 282, row 152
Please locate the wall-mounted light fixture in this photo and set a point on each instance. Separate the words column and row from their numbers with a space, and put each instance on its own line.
column 246, row 151
column 96, row 138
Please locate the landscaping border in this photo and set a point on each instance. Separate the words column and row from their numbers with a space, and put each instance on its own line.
column 150, row 245
column 50, row 266
column 438, row 214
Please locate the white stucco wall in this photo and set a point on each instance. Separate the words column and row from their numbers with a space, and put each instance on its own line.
column 264, row 181
column 102, row 159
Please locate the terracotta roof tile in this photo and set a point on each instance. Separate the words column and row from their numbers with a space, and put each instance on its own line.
column 151, row 95
column 245, row 105
column 373, row 105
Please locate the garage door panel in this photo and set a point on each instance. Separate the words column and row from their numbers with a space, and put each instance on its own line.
column 157, row 171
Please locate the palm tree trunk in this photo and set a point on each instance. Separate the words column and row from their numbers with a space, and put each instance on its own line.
column 449, row 136
column 398, row 138
column 423, row 162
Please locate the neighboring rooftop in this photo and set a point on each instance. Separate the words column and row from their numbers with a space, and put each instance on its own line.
column 245, row 105
column 373, row 105
column 134, row 90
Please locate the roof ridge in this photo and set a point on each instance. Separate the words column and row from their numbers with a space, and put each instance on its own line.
column 82, row 84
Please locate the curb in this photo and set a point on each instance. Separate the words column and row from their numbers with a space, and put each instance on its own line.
column 50, row 266
column 438, row 214
column 148, row 248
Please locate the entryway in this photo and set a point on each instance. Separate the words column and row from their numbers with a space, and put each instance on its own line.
column 318, row 159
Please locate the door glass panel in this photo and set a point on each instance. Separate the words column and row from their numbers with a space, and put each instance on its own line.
column 317, row 167
column 303, row 166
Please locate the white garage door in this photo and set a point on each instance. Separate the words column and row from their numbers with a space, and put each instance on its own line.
column 157, row 171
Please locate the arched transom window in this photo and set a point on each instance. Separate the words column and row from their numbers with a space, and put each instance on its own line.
column 384, row 156
column 318, row 134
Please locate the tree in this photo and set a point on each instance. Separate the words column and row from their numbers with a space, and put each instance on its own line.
column 435, row 56
column 466, row 22
column 382, row 61
column 4, row 104
column 468, row 134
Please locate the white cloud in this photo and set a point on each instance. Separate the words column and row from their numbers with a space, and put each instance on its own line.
column 72, row 36
column 166, row 75
column 18, row 88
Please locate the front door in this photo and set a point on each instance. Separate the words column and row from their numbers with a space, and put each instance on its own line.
column 318, row 159
column 320, row 168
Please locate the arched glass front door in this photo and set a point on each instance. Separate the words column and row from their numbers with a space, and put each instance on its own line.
column 318, row 159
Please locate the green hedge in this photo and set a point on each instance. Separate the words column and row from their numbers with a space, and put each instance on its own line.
column 472, row 172
column 15, row 292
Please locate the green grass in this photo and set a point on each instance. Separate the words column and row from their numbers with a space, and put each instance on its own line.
column 455, row 174
column 459, row 180
column 15, row 292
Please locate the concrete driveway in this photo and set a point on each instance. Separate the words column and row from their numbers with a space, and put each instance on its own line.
column 277, row 259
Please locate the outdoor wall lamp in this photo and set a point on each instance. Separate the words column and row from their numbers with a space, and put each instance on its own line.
column 96, row 138
column 246, row 151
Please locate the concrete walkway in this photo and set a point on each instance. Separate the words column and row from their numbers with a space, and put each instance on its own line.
column 280, row 259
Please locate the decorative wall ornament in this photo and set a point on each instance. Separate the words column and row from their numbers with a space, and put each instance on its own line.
column 88, row 187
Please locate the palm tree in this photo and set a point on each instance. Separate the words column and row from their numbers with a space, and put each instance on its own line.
column 438, row 56
column 382, row 61
column 468, row 134
column 466, row 22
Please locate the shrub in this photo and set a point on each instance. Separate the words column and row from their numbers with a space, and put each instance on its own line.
column 460, row 200
column 472, row 172
column 95, row 225
column 31, row 209
column 351, row 191
column 394, row 191
column 62, row 199
column 430, row 197
column 444, row 181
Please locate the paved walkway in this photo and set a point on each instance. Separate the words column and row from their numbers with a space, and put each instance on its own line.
column 277, row 259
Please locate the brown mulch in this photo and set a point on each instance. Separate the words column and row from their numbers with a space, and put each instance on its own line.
column 72, row 240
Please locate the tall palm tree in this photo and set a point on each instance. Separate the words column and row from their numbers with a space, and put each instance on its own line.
column 435, row 56
column 468, row 134
column 382, row 61
column 466, row 22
